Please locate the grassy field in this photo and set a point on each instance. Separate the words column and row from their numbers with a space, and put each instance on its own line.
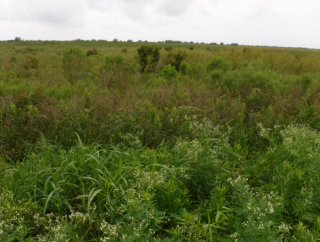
column 104, row 141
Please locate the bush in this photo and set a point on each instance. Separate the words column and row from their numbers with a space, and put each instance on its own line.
column 31, row 62
column 305, row 81
column 92, row 52
column 168, row 72
column 231, row 81
column 196, row 71
column 175, row 58
column 124, row 50
column 148, row 57
column 13, row 59
column 168, row 48
column 74, row 64
column 218, row 63
column 184, row 67
column 118, row 71
column 191, row 48
column 216, row 75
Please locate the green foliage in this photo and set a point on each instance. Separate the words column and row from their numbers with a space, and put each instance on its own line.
column 305, row 81
column 196, row 71
column 148, row 56
column 31, row 62
column 175, row 58
column 92, row 52
column 184, row 67
column 13, row 59
column 124, row 50
column 74, row 64
column 216, row 75
column 93, row 150
column 168, row 72
column 118, row 71
column 218, row 63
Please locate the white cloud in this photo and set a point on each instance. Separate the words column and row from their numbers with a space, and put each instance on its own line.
column 53, row 12
column 256, row 22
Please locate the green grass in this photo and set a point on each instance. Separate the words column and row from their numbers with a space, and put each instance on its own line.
column 206, row 145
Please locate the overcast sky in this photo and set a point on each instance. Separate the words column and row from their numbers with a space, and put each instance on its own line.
column 293, row 23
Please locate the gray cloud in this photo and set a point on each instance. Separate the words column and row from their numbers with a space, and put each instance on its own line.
column 256, row 22
column 54, row 12
column 174, row 8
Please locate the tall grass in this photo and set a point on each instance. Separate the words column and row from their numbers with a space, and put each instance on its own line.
column 218, row 145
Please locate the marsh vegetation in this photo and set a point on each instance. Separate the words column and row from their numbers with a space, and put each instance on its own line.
column 124, row 141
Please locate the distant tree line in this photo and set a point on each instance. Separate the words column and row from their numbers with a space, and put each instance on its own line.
column 115, row 40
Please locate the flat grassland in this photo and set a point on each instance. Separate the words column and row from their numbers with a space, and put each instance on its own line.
column 127, row 141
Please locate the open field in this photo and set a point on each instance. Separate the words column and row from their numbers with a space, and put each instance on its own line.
column 190, row 142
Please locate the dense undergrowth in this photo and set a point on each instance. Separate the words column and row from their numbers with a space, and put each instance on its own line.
column 174, row 144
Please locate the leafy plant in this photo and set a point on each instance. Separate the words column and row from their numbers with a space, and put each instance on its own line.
column 74, row 64
column 175, row 58
column 92, row 52
column 148, row 56
column 168, row 72
column 31, row 62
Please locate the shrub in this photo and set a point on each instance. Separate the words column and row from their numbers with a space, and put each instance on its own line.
column 13, row 59
column 168, row 72
column 305, row 80
column 191, row 48
column 148, row 57
column 74, row 64
column 168, row 48
column 216, row 75
column 31, row 62
column 175, row 58
column 218, row 63
column 124, row 50
column 196, row 71
column 184, row 67
column 118, row 71
column 231, row 81
column 92, row 52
